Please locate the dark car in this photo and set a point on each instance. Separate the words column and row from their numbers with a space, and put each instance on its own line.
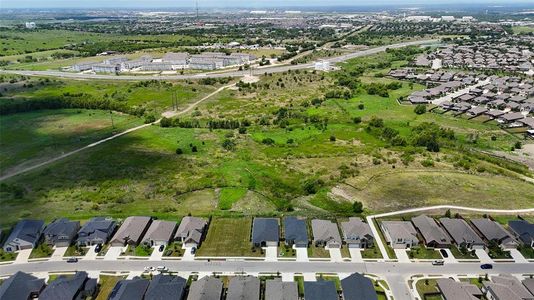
column 72, row 260
column 486, row 266
column 444, row 253
column 193, row 250
column 98, row 248
column 161, row 248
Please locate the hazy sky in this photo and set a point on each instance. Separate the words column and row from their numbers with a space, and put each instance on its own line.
column 228, row 3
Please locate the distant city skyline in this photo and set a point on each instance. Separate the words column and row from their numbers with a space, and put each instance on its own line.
column 234, row 3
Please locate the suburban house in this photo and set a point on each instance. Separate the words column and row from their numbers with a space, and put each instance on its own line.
column 21, row 286
column 243, row 287
column 190, row 231
column 358, row 287
column 320, row 290
column 25, row 235
column 493, row 231
column 462, row 234
column 276, row 289
column 159, row 233
column 295, row 232
column 79, row 286
column 399, row 234
column 131, row 231
column 206, row 288
column 357, row 234
column 453, row 290
column 325, row 233
column 129, row 289
column 98, row 230
column 505, row 287
column 522, row 230
column 166, row 287
column 61, row 232
column 433, row 235
column 265, row 232
column 529, row 284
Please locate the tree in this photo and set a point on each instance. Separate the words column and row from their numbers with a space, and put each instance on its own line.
column 448, row 213
column 357, row 207
column 376, row 122
column 357, row 120
column 194, row 149
column 420, row 109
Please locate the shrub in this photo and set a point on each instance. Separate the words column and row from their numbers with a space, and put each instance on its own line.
column 357, row 120
column 267, row 141
column 228, row 144
column 179, row 151
column 420, row 109
column 376, row 122
column 332, row 138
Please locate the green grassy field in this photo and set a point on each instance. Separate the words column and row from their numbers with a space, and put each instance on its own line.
column 106, row 285
column 236, row 241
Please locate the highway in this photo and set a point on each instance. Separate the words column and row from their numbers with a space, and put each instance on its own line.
column 396, row 274
column 219, row 74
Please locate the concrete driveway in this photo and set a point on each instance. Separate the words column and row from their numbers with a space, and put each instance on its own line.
column 271, row 253
column 113, row 253
column 450, row 258
column 156, row 254
column 58, row 254
column 335, row 254
column 402, row 255
column 356, row 254
column 517, row 256
column 22, row 256
column 91, row 254
column 309, row 277
column 288, row 277
column 483, row 256
column 187, row 254
column 302, row 253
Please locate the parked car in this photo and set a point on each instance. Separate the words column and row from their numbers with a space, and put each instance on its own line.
column 72, row 260
column 486, row 266
column 150, row 269
column 161, row 248
column 444, row 253
column 162, row 269
column 193, row 250
column 98, row 248
column 438, row 263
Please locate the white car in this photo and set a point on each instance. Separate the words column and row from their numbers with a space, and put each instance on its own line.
column 149, row 269
column 162, row 269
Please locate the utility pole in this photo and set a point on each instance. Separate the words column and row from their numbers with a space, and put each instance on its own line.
column 197, row 8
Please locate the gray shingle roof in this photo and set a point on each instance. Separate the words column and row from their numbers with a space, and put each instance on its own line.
column 491, row 230
column 295, row 231
column 26, row 230
column 400, row 230
column 355, row 230
column 358, row 287
column 512, row 283
column 460, row 231
column 453, row 290
column 65, row 288
column 129, row 289
column 21, row 286
column 97, row 228
column 243, row 288
column 206, row 288
column 61, row 229
column 160, row 231
column 524, row 230
column 325, row 231
column 320, row 290
column 276, row 289
column 430, row 230
column 189, row 229
column 166, row 287
column 131, row 230
column 265, row 230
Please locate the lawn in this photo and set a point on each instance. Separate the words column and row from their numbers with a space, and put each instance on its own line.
column 318, row 252
column 229, row 196
column 106, row 285
column 421, row 252
column 7, row 256
column 140, row 250
column 459, row 255
column 76, row 251
column 527, row 252
column 229, row 237
column 41, row 251
column 427, row 286
column 174, row 250
column 286, row 251
column 372, row 253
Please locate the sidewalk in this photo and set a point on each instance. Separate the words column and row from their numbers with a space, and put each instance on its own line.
column 376, row 234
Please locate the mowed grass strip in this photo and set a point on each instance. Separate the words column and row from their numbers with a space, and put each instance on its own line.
column 228, row 237
column 229, row 196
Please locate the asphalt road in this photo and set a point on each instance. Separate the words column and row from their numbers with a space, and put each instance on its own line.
column 259, row 71
column 396, row 274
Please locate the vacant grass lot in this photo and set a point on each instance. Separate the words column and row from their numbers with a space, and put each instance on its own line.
column 106, row 285
column 33, row 137
column 228, row 237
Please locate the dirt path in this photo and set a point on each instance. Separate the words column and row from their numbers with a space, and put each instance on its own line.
column 65, row 155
